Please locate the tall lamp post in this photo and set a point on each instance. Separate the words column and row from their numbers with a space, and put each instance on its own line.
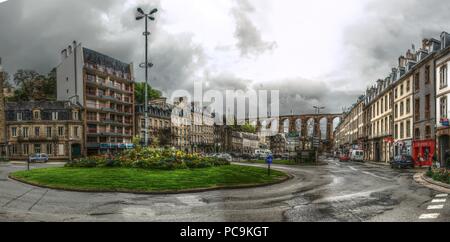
column 142, row 15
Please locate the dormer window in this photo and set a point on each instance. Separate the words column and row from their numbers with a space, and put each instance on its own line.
column 54, row 116
column 19, row 116
column 37, row 115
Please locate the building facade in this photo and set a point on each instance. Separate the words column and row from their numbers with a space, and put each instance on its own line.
column 54, row 128
column 442, row 96
column 424, row 134
column 104, row 87
column 403, row 106
column 3, row 143
column 181, row 124
column 160, row 123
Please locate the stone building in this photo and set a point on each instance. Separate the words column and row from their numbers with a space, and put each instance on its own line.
column 159, row 126
column 202, row 129
column 244, row 143
column 442, row 97
column 403, row 105
column 424, row 144
column 181, row 120
column 378, row 103
column 104, row 87
column 278, row 145
column 54, row 128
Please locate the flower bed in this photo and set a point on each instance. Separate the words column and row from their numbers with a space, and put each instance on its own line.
column 440, row 175
column 151, row 159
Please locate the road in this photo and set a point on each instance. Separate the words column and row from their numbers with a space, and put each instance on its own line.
column 338, row 192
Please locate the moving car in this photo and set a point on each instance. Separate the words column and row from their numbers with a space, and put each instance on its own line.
column 226, row 157
column 38, row 158
column 357, row 155
column 403, row 161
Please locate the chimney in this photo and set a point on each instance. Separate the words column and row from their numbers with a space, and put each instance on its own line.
column 69, row 50
column 445, row 40
column 64, row 54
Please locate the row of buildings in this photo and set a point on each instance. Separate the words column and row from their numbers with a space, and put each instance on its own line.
column 405, row 113
column 96, row 113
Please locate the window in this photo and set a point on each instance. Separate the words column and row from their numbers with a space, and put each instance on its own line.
column 417, row 109
column 402, row 109
column 443, row 108
column 61, row 149
column 408, row 86
column 427, row 75
column 75, row 132
column 408, row 106
column 396, row 110
column 408, row 129
column 37, row 115
column 19, row 116
column 402, row 130
column 37, row 131
column 386, row 104
column 396, row 131
column 382, row 104
column 49, row 148
column 14, row 132
column 37, row 148
column 49, row 132
column 428, row 107
column 25, row 149
column 25, row 132
column 396, row 93
column 75, row 116
column 417, row 133
column 60, row 131
column 14, row 149
column 428, row 132
column 54, row 116
column 443, row 77
column 401, row 90
column 417, row 81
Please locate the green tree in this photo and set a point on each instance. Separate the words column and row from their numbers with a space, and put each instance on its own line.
column 140, row 93
column 34, row 86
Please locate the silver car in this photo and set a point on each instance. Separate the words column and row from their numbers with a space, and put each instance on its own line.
column 38, row 158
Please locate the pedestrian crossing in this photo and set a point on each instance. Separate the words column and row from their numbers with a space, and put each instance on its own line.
column 434, row 208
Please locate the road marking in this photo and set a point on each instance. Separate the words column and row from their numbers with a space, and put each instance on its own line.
column 353, row 168
column 429, row 216
column 435, row 207
column 441, row 195
column 439, row 201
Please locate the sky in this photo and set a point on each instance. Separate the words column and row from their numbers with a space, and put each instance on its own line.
column 316, row 53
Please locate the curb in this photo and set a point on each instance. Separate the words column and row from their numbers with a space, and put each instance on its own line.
column 421, row 179
column 188, row 191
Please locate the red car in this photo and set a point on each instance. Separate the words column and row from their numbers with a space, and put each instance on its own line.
column 344, row 158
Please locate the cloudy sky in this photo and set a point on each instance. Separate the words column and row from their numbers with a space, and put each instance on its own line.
column 321, row 52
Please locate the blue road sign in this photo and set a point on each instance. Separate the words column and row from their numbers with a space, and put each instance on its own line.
column 269, row 159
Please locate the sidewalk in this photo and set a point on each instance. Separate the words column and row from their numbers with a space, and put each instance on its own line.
column 47, row 163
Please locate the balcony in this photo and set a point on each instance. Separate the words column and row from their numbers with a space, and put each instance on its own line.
column 39, row 138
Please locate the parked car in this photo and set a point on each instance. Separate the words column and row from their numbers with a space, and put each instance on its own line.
column 403, row 161
column 38, row 158
column 344, row 158
column 357, row 155
column 226, row 157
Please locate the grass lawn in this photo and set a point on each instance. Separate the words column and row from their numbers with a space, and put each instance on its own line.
column 139, row 180
column 276, row 162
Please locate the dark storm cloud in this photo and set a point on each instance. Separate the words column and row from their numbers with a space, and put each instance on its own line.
column 32, row 34
column 388, row 30
column 250, row 41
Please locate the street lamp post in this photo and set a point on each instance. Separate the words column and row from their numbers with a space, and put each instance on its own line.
column 142, row 15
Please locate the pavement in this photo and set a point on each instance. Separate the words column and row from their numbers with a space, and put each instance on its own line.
column 339, row 192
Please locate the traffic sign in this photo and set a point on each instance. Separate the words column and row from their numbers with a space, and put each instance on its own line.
column 269, row 159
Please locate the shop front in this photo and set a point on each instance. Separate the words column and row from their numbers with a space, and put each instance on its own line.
column 423, row 152
column 403, row 147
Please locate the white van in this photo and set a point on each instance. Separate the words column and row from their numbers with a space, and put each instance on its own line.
column 357, row 155
column 262, row 154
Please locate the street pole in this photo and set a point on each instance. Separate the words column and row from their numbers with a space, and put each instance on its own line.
column 146, row 82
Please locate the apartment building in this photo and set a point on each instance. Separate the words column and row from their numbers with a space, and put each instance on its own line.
column 54, row 128
column 424, row 144
column 442, row 96
column 202, row 129
column 403, row 106
column 159, row 126
column 104, row 87
column 379, row 101
column 181, row 121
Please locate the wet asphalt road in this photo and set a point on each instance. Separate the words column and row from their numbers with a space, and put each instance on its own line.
column 351, row 192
